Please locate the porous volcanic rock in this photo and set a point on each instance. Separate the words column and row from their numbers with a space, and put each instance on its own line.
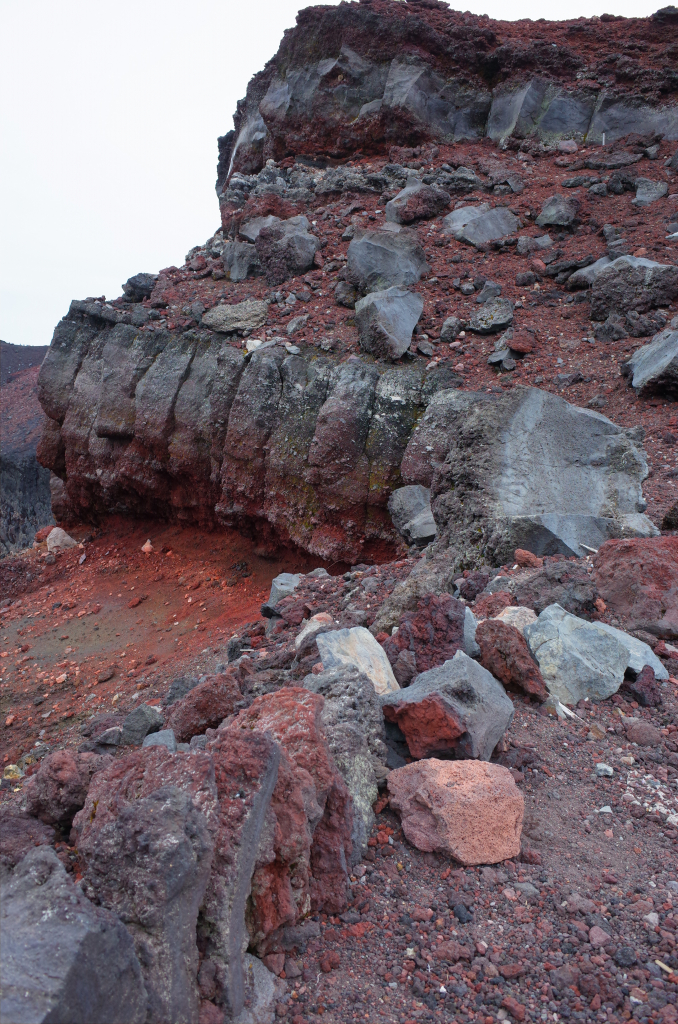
column 433, row 634
column 205, row 706
column 19, row 833
column 464, row 809
column 58, row 789
column 638, row 581
column 633, row 283
column 504, row 652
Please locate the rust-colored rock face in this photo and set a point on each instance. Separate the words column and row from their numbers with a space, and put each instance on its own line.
column 59, row 787
column 504, row 652
column 468, row 810
column 433, row 634
column 304, row 866
column 638, row 581
column 205, row 706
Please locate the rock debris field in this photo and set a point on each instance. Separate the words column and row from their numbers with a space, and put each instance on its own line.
column 345, row 687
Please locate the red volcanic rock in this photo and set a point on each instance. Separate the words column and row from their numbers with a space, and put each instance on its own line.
column 505, row 653
column 59, row 787
column 638, row 581
column 644, row 688
column 19, row 833
column 433, row 634
column 305, row 867
column 431, row 725
column 469, row 810
column 525, row 558
column 488, row 605
column 205, row 706
column 43, row 533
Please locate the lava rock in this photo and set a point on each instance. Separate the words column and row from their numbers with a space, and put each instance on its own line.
column 59, row 788
column 357, row 648
column 204, row 707
column 139, row 287
column 633, row 283
column 654, row 367
column 139, row 723
column 20, row 833
column 383, row 258
column 410, row 510
column 432, row 634
column 495, row 315
column 386, row 320
column 505, row 654
column 638, row 581
column 417, row 202
column 286, row 249
column 240, row 316
column 557, row 211
column 644, row 688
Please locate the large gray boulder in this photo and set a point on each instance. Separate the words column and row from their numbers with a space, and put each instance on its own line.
column 386, row 320
column 63, row 960
column 478, row 225
column 286, row 248
column 139, row 723
column 632, row 282
column 410, row 509
column 417, row 202
column 557, row 211
column 241, row 260
column 525, row 470
column 585, row 277
column 353, row 723
column 493, row 316
column 580, row 659
column 654, row 367
column 639, row 654
column 282, row 585
column 457, row 707
column 385, row 257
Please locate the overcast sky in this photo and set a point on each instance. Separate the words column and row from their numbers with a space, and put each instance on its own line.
column 109, row 117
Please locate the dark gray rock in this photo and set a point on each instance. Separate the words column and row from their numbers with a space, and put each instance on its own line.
column 353, row 723
column 495, row 315
column 465, row 694
column 417, row 202
column 633, row 283
column 385, row 257
column 345, row 294
column 139, row 723
column 139, row 287
column 286, row 249
column 64, row 960
column 648, row 191
column 451, row 329
column 654, row 367
column 179, row 687
column 241, row 260
column 386, row 320
column 585, row 277
column 20, row 833
column 162, row 738
column 527, row 244
column 557, row 211
column 490, row 290
column 410, row 509
column 479, row 225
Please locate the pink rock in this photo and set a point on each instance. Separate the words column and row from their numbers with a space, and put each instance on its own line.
column 205, row 706
column 504, row 652
column 638, row 581
column 59, row 787
column 597, row 937
column 643, row 733
column 431, row 635
column 469, row 810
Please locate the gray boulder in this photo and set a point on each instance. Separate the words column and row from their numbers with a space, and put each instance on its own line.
column 162, row 738
column 262, row 990
column 251, row 228
column 353, row 723
column 241, row 316
column 639, row 654
column 63, row 959
column 585, row 277
column 525, row 470
column 240, row 260
column 648, row 191
column 495, row 315
column 527, row 244
column 479, row 225
column 557, row 211
column 286, row 249
column 386, row 320
column 633, row 283
column 139, row 723
column 357, row 648
column 457, row 707
column 284, row 584
column 417, row 202
column 577, row 659
column 410, row 509
column 388, row 256
column 654, row 367
column 471, row 646
column 460, row 181
column 451, row 329
column 139, row 287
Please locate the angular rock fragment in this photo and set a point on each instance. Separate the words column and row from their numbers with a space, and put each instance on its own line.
column 585, row 277
column 385, row 257
column 565, row 582
column 456, row 707
column 557, row 211
column 59, row 787
column 432, row 635
column 240, row 316
column 139, row 287
column 633, row 283
column 59, row 540
column 64, row 959
column 241, row 260
column 262, row 992
column 204, row 706
column 386, row 320
column 644, row 688
column 648, row 191
column 479, row 225
column 161, row 738
column 495, row 315
column 463, row 809
column 353, row 723
column 638, row 581
column 640, row 655
column 654, row 367
column 139, row 723
column 286, row 249
column 417, row 202
column 410, row 510
column 505, row 654
column 357, row 648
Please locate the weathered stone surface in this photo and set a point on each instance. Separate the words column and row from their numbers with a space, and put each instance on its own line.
column 386, row 320
column 654, row 367
column 63, row 959
column 246, row 765
column 633, row 283
column 493, row 316
column 516, row 616
column 456, row 707
column 302, row 862
column 286, row 249
column 353, row 723
column 162, row 738
column 59, row 787
column 357, row 648
column 59, row 540
column 433, row 634
column 20, row 833
column 648, row 191
column 241, row 260
column 417, row 202
column 644, row 688
column 557, row 211
column 410, row 510
column 494, row 489
column 139, row 723
column 585, row 277
column 139, row 287
column 504, row 653
column 262, row 992
column 479, row 225
column 205, row 706
column 638, row 581
column 463, row 809
column 640, row 654
column 643, row 733
column 144, row 837
column 241, row 316
column 565, row 582
column 577, row 659
column 385, row 257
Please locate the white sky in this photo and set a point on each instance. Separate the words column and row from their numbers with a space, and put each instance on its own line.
column 109, row 116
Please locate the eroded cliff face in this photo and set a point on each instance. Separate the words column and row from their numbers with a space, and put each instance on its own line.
column 378, row 73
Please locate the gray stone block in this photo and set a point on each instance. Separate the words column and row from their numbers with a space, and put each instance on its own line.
column 139, row 723
column 654, row 367
column 240, row 316
column 163, row 738
column 386, row 257
column 410, row 510
column 633, row 283
column 386, row 320
column 495, row 315
column 557, row 211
